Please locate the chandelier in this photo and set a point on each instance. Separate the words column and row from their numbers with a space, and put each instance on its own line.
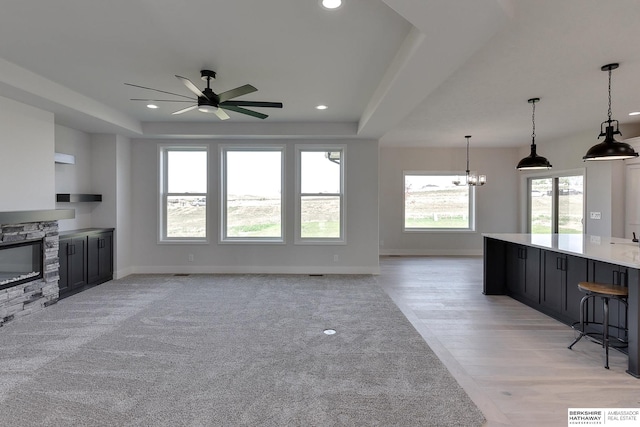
column 471, row 179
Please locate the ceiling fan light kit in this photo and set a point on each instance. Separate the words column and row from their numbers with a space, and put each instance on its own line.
column 610, row 149
column 207, row 101
column 533, row 161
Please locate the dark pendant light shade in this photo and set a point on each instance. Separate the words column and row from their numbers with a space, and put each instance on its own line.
column 610, row 149
column 533, row 161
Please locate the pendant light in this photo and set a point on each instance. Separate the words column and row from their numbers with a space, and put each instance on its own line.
column 610, row 149
column 533, row 161
column 471, row 180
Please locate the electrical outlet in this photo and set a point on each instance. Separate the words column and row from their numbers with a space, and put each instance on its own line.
column 190, row 257
column 595, row 215
column 336, row 258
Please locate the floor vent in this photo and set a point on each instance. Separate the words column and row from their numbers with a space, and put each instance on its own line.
column 182, row 274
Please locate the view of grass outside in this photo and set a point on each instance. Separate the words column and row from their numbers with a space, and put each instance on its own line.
column 320, row 217
column 320, row 194
column 434, row 202
column 186, row 217
column 541, row 211
column 185, row 193
column 253, row 193
column 253, row 203
column 570, row 204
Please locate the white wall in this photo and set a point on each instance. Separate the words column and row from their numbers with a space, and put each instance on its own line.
column 496, row 206
column 124, row 212
column 111, row 177
column 27, row 172
column 75, row 178
column 359, row 255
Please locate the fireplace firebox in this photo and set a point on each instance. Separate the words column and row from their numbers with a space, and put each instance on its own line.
column 20, row 262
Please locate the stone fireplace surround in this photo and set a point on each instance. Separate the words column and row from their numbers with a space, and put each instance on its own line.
column 29, row 297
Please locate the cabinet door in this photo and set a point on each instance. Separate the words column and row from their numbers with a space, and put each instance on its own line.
column 515, row 259
column 553, row 281
column 76, row 253
column 100, row 257
column 575, row 272
column 532, row 274
column 523, row 272
column 63, row 259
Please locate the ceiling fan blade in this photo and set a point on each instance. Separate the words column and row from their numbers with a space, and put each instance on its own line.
column 161, row 100
column 158, row 90
column 193, row 88
column 253, row 104
column 221, row 114
column 244, row 111
column 239, row 91
column 184, row 110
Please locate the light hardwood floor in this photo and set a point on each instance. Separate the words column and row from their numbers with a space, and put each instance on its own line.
column 512, row 360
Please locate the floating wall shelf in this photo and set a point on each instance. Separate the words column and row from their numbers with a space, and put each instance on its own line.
column 67, row 159
column 72, row 198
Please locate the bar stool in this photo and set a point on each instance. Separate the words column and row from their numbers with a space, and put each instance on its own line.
column 605, row 292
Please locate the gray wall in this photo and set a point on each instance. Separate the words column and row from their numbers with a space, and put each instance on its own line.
column 27, row 171
column 75, row 178
column 496, row 206
column 359, row 255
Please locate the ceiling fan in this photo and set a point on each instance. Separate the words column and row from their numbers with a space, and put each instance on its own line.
column 208, row 101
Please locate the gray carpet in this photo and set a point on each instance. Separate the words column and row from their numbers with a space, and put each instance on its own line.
column 225, row 350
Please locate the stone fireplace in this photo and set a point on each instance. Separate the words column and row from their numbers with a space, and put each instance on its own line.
column 24, row 289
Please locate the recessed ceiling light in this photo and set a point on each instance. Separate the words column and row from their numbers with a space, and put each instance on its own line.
column 331, row 4
column 329, row 331
column 635, row 113
column 152, row 106
column 321, row 107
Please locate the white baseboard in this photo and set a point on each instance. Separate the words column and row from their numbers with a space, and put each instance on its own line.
column 431, row 252
column 123, row 273
column 209, row 269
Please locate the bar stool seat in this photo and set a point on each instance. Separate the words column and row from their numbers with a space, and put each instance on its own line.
column 605, row 292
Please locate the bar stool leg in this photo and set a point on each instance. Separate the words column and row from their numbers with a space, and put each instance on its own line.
column 582, row 316
column 605, row 331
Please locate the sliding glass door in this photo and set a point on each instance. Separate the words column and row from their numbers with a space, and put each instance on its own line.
column 556, row 204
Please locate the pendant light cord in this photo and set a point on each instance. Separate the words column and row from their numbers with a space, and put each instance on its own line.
column 533, row 122
column 467, row 156
column 609, row 111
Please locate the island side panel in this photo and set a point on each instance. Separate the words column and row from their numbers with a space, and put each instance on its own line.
column 494, row 279
column 633, row 324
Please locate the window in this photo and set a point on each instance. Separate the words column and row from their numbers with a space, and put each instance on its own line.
column 183, row 190
column 433, row 202
column 252, row 194
column 556, row 204
column 320, row 194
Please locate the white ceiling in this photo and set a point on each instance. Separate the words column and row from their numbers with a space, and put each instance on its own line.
column 412, row 73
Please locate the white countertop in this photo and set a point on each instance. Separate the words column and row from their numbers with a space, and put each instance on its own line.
column 607, row 249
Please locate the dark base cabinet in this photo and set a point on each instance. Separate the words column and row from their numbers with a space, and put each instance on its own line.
column 86, row 259
column 548, row 280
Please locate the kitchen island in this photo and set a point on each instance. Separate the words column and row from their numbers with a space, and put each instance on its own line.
column 543, row 271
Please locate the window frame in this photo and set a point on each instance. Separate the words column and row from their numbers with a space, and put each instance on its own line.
column 164, row 194
column 471, row 207
column 322, row 148
column 222, row 150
